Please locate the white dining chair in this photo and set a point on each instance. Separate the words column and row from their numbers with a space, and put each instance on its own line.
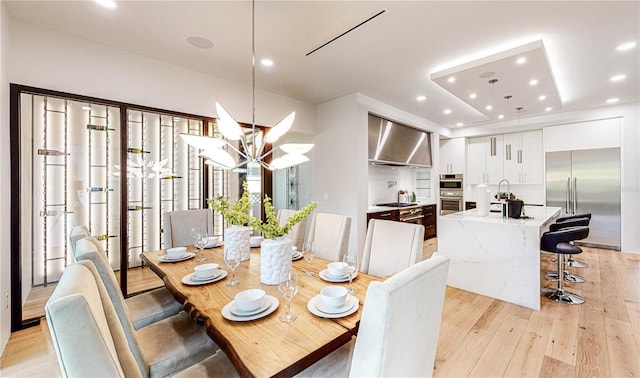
column 77, row 233
column 330, row 235
column 143, row 309
column 177, row 225
column 297, row 232
column 399, row 327
column 390, row 247
column 90, row 340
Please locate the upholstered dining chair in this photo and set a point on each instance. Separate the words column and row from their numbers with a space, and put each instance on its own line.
column 77, row 233
column 143, row 309
column 90, row 340
column 390, row 247
column 330, row 235
column 297, row 232
column 177, row 225
column 399, row 327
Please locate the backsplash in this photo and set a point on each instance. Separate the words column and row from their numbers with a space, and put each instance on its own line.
column 385, row 181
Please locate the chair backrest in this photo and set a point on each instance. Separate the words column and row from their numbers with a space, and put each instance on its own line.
column 85, row 332
column 551, row 239
column 297, row 232
column 87, row 251
column 330, row 235
column 400, row 322
column 77, row 233
column 177, row 226
column 391, row 247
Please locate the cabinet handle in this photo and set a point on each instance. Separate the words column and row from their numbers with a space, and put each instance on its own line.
column 493, row 146
column 507, row 151
column 385, row 215
column 519, row 156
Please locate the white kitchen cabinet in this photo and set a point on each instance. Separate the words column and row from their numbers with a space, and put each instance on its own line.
column 485, row 160
column 523, row 157
column 452, row 155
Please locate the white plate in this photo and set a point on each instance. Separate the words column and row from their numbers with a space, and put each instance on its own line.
column 186, row 256
column 214, row 244
column 188, row 280
column 316, row 302
column 273, row 305
column 234, row 309
column 296, row 256
column 348, row 305
column 327, row 277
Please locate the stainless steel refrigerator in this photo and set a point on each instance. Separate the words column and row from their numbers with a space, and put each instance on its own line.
column 588, row 181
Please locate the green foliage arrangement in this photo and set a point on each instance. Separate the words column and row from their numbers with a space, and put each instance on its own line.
column 238, row 215
column 271, row 228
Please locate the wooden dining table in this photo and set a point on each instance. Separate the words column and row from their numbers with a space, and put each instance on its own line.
column 263, row 347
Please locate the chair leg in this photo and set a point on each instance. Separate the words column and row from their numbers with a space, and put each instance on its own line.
column 576, row 263
column 558, row 294
column 568, row 276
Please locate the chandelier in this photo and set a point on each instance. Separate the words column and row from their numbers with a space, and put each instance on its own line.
column 212, row 149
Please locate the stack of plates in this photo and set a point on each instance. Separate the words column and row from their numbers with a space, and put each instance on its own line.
column 331, row 278
column 316, row 307
column 185, row 256
column 231, row 312
column 190, row 279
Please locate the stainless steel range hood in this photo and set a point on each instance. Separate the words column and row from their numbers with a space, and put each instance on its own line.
column 392, row 143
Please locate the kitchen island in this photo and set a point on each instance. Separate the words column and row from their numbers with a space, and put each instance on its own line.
column 493, row 256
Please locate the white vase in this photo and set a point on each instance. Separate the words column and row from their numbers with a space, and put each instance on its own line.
column 275, row 260
column 236, row 238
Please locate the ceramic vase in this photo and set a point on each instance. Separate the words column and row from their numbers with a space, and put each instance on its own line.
column 237, row 238
column 275, row 260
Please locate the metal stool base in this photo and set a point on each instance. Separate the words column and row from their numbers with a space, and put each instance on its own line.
column 562, row 296
column 577, row 264
column 568, row 277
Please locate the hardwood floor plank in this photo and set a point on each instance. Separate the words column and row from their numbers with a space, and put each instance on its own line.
column 528, row 355
column 624, row 353
column 613, row 297
column 496, row 356
column 553, row 368
column 562, row 344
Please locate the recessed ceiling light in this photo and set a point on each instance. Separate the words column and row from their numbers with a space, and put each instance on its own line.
column 459, row 124
column 533, row 82
column 447, row 111
column 501, row 116
column 548, row 109
column 489, row 107
column 618, row 77
column 473, row 95
column 521, row 60
column 199, row 42
column 612, row 100
column 421, row 98
column 542, row 98
column 626, row 46
column 452, row 79
column 267, row 62
column 107, row 3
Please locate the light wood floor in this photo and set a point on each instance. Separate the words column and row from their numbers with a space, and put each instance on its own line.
column 484, row 337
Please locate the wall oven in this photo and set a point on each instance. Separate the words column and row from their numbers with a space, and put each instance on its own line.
column 451, row 198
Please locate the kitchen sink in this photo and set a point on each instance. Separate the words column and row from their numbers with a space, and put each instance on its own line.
column 397, row 204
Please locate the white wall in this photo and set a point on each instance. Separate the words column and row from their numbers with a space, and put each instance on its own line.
column 5, row 190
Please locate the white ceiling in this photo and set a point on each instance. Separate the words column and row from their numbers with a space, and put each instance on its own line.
column 390, row 58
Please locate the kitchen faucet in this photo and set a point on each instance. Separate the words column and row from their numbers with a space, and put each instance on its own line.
column 508, row 189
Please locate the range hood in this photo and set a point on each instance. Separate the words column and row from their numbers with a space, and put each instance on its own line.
column 392, row 143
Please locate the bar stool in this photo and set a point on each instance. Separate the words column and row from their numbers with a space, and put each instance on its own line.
column 558, row 242
column 569, row 277
column 570, row 261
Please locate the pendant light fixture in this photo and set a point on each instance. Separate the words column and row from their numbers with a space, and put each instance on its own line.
column 252, row 149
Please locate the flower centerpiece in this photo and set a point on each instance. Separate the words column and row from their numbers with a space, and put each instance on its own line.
column 275, row 250
column 236, row 237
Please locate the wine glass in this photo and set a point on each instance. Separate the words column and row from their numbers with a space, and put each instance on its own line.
column 288, row 289
column 308, row 251
column 351, row 263
column 195, row 235
column 200, row 243
column 232, row 260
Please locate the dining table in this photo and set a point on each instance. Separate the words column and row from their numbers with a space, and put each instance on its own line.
column 263, row 346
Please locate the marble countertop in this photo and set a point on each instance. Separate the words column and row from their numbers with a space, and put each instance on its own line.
column 540, row 215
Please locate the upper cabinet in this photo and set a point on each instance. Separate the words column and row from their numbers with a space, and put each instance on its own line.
column 452, row 155
column 485, row 160
column 516, row 157
column 523, row 157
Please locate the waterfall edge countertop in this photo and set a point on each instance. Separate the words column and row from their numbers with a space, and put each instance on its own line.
column 494, row 256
